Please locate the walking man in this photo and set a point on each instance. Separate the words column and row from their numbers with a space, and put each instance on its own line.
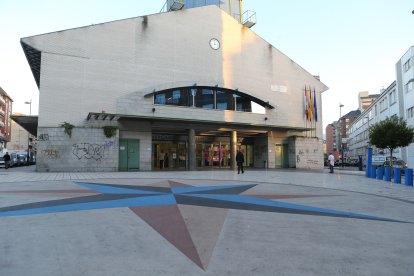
column 331, row 160
column 240, row 161
column 6, row 158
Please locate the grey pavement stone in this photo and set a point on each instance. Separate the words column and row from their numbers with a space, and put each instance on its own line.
column 117, row 242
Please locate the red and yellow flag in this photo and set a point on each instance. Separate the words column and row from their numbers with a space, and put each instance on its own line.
column 310, row 105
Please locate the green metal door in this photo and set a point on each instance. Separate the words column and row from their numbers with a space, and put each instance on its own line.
column 128, row 155
column 285, row 153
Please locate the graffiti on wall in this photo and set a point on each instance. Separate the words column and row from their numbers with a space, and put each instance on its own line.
column 43, row 137
column 88, row 151
column 50, row 153
column 299, row 155
column 110, row 144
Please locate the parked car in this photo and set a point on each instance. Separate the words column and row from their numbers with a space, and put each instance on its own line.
column 22, row 159
column 2, row 164
column 396, row 164
column 338, row 163
column 14, row 161
column 354, row 162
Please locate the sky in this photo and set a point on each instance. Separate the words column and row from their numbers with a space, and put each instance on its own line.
column 352, row 45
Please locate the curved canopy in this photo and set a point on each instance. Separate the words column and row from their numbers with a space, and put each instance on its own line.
column 220, row 89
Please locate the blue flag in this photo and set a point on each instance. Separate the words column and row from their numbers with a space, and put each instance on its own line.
column 315, row 112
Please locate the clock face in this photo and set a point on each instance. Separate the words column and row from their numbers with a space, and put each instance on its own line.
column 214, row 44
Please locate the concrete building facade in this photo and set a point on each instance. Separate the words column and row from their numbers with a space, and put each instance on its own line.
column 330, row 141
column 365, row 99
column 386, row 105
column 171, row 96
column 405, row 86
column 397, row 99
column 6, row 104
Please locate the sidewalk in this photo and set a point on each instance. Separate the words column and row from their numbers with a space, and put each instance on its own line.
column 262, row 222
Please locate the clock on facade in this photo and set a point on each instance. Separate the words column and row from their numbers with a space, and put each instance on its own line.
column 214, row 43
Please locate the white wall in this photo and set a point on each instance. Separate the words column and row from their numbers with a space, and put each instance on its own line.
column 100, row 67
column 408, row 94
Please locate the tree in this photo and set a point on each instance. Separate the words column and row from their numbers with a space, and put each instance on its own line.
column 391, row 133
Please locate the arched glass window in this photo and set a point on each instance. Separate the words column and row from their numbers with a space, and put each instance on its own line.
column 210, row 98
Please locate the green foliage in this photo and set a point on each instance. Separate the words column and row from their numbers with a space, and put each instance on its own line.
column 68, row 128
column 391, row 133
column 110, row 131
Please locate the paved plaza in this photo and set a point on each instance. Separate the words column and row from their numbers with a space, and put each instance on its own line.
column 215, row 222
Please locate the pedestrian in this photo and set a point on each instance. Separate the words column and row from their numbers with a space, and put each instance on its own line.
column 240, row 161
column 331, row 160
column 6, row 158
column 162, row 156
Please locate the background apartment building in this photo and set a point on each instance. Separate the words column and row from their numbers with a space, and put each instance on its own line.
column 386, row 105
column 6, row 104
column 405, row 86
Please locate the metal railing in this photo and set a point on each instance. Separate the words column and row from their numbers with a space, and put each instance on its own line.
column 172, row 5
column 249, row 18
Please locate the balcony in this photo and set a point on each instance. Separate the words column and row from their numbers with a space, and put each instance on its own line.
column 249, row 19
column 1, row 124
column 173, row 5
column 2, row 101
column 2, row 113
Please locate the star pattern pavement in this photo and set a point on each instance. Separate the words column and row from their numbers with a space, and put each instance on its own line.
column 189, row 217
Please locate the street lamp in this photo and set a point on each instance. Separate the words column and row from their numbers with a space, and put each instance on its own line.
column 340, row 133
column 30, row 104
column 369, row 138
column 28, row 134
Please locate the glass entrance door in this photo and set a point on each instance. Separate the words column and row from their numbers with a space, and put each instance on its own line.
column 247, row 151
column 282, row 156
column 169, row 156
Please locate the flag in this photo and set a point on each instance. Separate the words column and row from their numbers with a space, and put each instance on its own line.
column 310, row 105
column 306, row 105
column 314, row 105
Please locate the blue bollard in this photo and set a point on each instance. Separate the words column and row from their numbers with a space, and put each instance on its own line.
column 368, row 171
column 369, row 162
column 373, row 173
column 397, row 175
column 388, row 174
column 409, row 177
column 380, row 173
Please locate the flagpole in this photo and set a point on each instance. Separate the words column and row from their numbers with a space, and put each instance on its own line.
column 306, row 111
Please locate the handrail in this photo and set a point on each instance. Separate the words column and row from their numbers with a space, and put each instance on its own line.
column 171, row 3
column 249, row 16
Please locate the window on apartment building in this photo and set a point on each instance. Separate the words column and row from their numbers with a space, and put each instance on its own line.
column 393, row 97
column 383, row 104
column 409, row 87
column 407, row 65
column 410, row 112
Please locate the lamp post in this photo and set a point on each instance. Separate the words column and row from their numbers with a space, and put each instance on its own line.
column 30, row 105
column 369, row 138
column 28, row 134
column 340, row 133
